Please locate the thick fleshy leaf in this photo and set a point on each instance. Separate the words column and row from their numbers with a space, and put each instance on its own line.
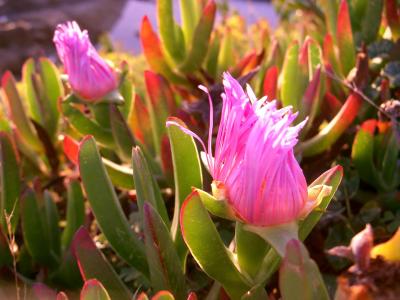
column 33, row 95
column 17, row 111
column 75, row 211
column 250, row 249
column 270, row 85
column 187, row 174
column 94, row 290
column 363, row 153
column 299, row 275
column 147, row 189
column 393, row 17
column 344, row 37
column 86, row 126
column 35, row 231
column 198, row 48
column 170, row 33
column 93, row 265
column 334, row 129
column 71, row 149
column 290, row 85
column 9, row 182
column 161, row 105
column 213, row 257
column 61, row 296
column 371, row 20
column 152, row 49
column 329, row 54
column 106, row 207
column 53, row 90
column 211, row 61
column 52, row 220
column 139, row 122
column 190, row 15
column 166, row 271
column 226, row 52
column 122, row 134
column 120, row 176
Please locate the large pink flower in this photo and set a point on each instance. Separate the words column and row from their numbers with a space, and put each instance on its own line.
column 253, row 161
column 89, row 75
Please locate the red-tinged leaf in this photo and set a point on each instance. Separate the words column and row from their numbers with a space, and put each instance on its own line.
column 62, row 296
column 393, row 17
column 334, row 129
column 329, row 54
column 238, row 69
column 163, row 295
column 71, row 149
column 93, row 264
column 17, row 110
column 94, row 290
column 201, row 39
column 192, row 296
column 142, row 296
column 312, row 98
column 166, row 157
column 139, row 122
column 270, row 85
column 162, row 104
column 254, row 62
column 332, row 104
column 303, row 54
column 153, row 52
column 344, row 36
column 43, row 292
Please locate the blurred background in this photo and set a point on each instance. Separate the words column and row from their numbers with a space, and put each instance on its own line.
column 27, row 26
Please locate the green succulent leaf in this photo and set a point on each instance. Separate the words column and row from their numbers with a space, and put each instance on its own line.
column 106, row 207
column 213, row 257
column 93, row 265
column 94, row 290
column 166, row 271
column 187, row 173
column 9, row 182
column 299, row 275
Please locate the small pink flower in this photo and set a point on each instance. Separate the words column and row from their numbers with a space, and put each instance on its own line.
column 254, row 160
column 89, row 75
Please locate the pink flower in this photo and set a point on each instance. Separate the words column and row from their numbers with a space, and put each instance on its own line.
column 89, row 75
column 253, row 159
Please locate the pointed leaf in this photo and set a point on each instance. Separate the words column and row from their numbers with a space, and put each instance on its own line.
column 334, row 129
column 166, row 271
column 299, row 275
column 34, row 230
column 9, row 181
column 213, row 257
column 94, row 290
column 290, row 86
column 187, row 173
column 122, row 134
column 372, row 20
column 31, row 83
column 270, row 85
column 106, row 207
column 170, row 33
column 52, row 220
column 344, row 37
column 93, row 265
column 17, row 110
column 198, row 48
column 163, row 295
column 75, row 211
column 393, row 17
column 190, row 15
column 147, row 189
column 152, row 49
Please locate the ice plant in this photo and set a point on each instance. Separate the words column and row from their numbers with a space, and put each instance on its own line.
column 253, row 166
column 90, row 76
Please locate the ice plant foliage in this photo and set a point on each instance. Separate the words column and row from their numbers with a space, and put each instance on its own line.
column 89, row 75
column 253, row 161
